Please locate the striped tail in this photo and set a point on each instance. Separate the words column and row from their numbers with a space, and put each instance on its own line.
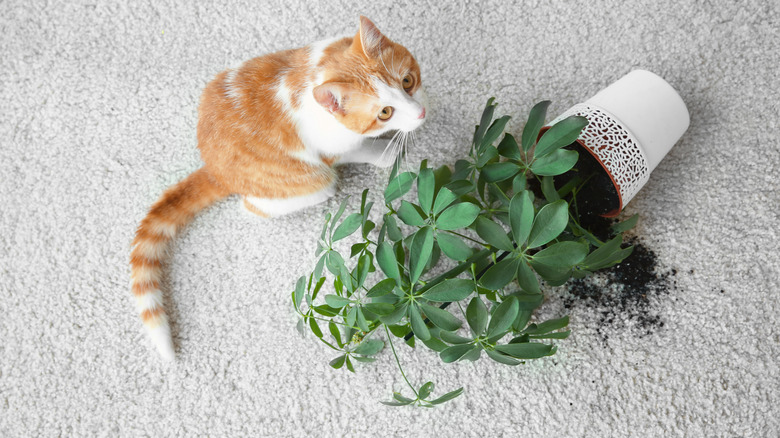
column 175, row 209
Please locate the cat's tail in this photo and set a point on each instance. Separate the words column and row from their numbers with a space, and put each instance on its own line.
column 175, row 209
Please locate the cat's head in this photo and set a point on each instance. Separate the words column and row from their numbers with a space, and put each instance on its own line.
column 372, row 85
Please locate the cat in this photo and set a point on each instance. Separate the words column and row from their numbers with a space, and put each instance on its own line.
column 272, row 131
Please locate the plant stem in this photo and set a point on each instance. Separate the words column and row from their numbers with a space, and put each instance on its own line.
column 397, row 361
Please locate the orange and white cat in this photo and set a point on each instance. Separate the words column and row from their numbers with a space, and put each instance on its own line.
column 271, row 131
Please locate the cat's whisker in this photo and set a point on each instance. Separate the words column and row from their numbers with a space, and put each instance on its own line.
column 389, row 149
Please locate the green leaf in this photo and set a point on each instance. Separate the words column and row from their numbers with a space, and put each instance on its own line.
column 390, row 403
column 393, row 232
column 338, row 362
column 320, row 265
column 451, row 354
column 457, row 216
column 528, row 301
column 476, row 316
column 548, row 189
column 361, row 320
column 384, row 287
column 335, row 263
column 519, row 182
column 493, row 234
column 626, row 224
column 496, row 191
column 398, row 186
column 326, row 310
column 556, row 335
column 562, row 254
column 523, row 316
column 559, row 135
column 534, row 124
column 553, row 276
column 444, row 198
column 334, row 331
column 440, row 317
column 351, row 316
column 380, row 308
column 425, row 390
column 547, row 326
column 603, row 255
column 487, row 154
column 435, row 344
column 385, row 257
column 495, row 130
column 442, row 176
column 299, row 292
column 452, row 338
column 368, row 226
column 336, row 218
column 521, row 216
column 525, row 351
column 336, row 301
column 418, row 325
column 453, row 246
column 549, row 222
column 555, row 163
column 315, row 328
column 396, row 315
column 447, row 397
column 349, row 365
column 508, row 148
column 349, row 226
column 357, row 249
column 473, row 354
column 526, row 278
column 420, row 252
column 425, row 185
column 495, row 172
column 498, row 357
column 500, row 274
column 487, row 116
column 325, row 226
column 451, row 289
column 399, row 331
column 402, row 399
column 369, row 348
column 361, row 270
column 410, row 215
column 460, row 187
column 503, row 317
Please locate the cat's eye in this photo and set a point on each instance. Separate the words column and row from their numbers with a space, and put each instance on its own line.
column 386, row 113
column 408, row 82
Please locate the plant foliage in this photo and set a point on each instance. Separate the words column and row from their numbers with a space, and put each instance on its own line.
column 457, row 265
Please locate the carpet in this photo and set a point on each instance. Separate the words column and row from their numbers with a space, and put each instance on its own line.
column 98, row 102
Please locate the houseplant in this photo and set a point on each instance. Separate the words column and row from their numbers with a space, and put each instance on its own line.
column 456, row 265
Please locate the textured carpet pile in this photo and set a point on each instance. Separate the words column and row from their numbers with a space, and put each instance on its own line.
column 98, row 107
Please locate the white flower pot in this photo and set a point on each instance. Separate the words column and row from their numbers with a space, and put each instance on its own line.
column 632, row 124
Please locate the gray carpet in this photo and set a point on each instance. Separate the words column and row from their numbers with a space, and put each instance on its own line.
column 98, row 106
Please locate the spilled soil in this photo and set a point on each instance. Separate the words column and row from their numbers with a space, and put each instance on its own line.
column 624, row 295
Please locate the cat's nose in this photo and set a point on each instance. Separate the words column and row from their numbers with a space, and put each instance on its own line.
column 422, row 114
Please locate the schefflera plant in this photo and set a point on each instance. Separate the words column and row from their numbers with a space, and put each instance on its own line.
column 497, row 238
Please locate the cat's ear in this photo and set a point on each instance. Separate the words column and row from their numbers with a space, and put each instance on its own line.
column 332, row 96
column 369, row 40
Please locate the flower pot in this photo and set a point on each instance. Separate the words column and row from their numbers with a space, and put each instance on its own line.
column 632, row 124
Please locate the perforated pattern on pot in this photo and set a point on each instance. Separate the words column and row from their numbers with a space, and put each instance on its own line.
column 615, row 147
